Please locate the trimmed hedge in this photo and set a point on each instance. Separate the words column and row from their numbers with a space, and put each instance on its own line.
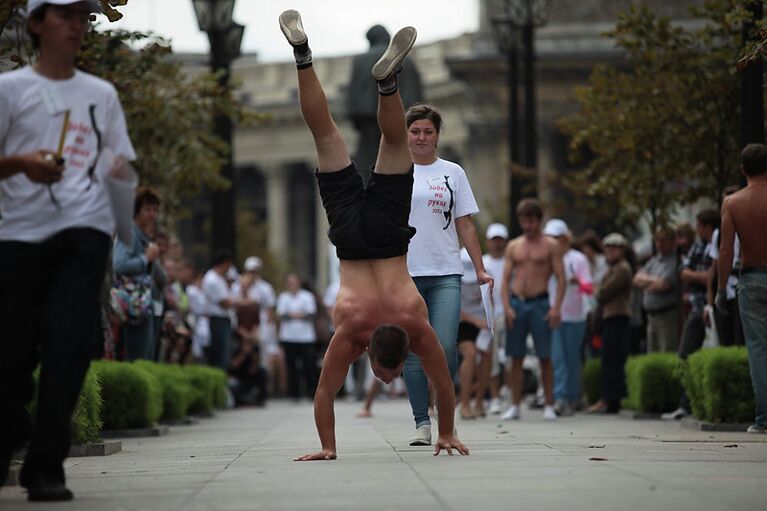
column 86, row 418
column 718, row 383
column 592, row 374
column 210, row 386
column 133, row 396
column 86, row 421
column 177, row 390
column 653, row 382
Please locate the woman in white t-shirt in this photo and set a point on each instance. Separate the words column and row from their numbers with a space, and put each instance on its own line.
column 297, row 309
column 441, row 210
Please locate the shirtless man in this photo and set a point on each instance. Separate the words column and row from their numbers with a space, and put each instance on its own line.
column 531, row 260
column 378, row 308
column 745, row 213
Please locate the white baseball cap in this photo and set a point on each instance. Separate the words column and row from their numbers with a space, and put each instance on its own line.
column 253, row 263
column 93, row 5
column 497, row 231
column 555, row 227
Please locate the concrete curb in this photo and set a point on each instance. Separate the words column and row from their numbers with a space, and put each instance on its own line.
column 693, row 423
column 157, row 430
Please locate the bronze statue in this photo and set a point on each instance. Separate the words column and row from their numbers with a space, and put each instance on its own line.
column 362, row 97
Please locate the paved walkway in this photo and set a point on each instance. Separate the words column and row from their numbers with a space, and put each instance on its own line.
column 242, row 460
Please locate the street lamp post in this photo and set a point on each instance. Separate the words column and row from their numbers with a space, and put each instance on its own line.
column 225, row 36
column 520, row 16
column 752, row 90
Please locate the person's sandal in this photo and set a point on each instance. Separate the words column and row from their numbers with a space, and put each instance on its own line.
column 399, row 47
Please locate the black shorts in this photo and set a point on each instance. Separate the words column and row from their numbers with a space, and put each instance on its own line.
column 467, row 332
column 367, row 223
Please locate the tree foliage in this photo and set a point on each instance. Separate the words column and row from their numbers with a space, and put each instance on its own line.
column 662, row 131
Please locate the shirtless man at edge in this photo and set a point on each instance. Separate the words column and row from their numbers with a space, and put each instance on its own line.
column 531, row 259
column 745, row 213
column 370, row 230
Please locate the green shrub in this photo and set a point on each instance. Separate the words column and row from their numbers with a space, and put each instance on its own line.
column 211, row 385
column 177, row 391
column 653, row 382
column 86, row 421
column 132, row 395
column 86, row 418
column 718, row 383
column 592, row 374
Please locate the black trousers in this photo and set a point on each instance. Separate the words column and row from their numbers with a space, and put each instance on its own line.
column 615, row 347
column 693, row 334
column 49, row 314
column 301, row 364
column 729, row 326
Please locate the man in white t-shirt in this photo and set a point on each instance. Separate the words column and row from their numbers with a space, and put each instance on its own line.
column 220, row 303
column 55, row 229
column 378, row 308
column 567, row 339
column 489, row 370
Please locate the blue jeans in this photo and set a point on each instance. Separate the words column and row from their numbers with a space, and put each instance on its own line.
column 566, row 357
column 752, row 300
column 443, row 300
column 220, row 340
column 530, row 318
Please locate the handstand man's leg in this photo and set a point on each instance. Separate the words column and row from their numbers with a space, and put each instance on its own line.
column 332, row 154
column 393, row 153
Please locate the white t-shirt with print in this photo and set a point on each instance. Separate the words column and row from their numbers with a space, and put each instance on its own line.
column 441, row 193
column 297, row 330
column 216, row 290
column 574, row 307
column 31, row 118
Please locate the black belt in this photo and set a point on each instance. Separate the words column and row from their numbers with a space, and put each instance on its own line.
column 661, row 310
column 753, row 269
column 541, row 296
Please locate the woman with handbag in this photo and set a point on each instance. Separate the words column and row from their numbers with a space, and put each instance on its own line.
column 133, row 266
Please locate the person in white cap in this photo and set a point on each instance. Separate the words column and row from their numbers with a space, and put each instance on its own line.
column 566, row 340
column 55, row 230
column 378, row 308
column 531, row 260
column 489, row 368
column 254, row 289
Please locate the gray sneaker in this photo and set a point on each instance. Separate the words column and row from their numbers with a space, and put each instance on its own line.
column 399, row 47
column 422, row 436
column 757, row 428
column 290, row 24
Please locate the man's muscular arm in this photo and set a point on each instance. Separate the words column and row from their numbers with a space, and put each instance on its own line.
column 340, row 355
column 727, row 240
column 435, row 366
column 508, row 267
column 558, row 266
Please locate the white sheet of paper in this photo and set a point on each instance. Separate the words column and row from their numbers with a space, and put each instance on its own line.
column 487, row 303
column 120, row 184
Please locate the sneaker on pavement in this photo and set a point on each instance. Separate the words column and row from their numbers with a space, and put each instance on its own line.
column 549, row 414
column 399, row 46
column 757, row 428
column 511, row 414
column 676, row 415
column 422, row 436
column 291, row 26
column 495, row 407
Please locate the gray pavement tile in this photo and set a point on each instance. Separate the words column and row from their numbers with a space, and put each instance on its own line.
column 242, row 460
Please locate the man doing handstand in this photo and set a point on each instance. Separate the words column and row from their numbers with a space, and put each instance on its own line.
column 378, row 308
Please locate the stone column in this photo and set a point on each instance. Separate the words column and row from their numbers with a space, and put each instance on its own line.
column 277, row 208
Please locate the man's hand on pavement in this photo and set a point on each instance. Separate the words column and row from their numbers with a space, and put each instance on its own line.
column 325, row 454
column 450, row 442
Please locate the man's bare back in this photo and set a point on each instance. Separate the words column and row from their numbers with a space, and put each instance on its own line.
column 748, row 209
column 531, row 261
